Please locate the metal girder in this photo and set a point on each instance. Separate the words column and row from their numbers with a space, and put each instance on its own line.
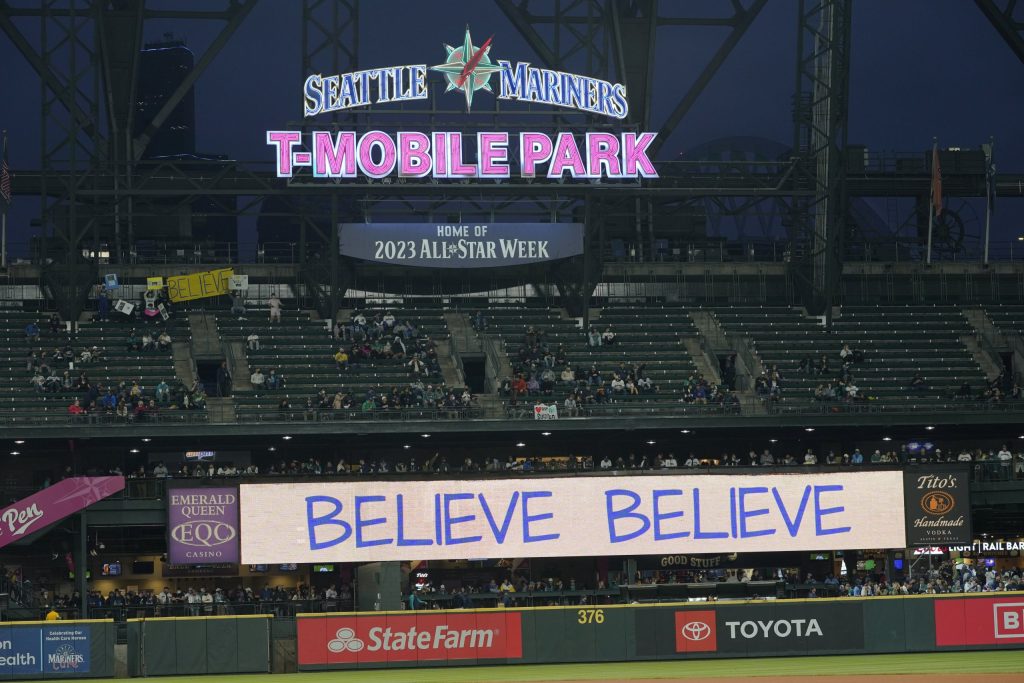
column 578, row 28
column 49, row 78
column 1008, row 19
column 819, row 143
column 237, row 12
column 740, row 21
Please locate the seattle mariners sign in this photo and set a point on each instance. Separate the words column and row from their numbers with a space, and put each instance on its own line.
column 468, row 69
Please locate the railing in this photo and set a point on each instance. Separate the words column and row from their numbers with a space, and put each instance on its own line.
column 659, row 405
column 123, row 612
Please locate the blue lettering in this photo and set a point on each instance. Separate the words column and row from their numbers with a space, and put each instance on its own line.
column 512, row 80
column 402, row 540
column 312, row 522
column 499, row 533
column 658, row 516
column 437, row 518
column 614, row 515
column 361, row 523
column 314, row 96
column 529, row 519
column 792, row 524
column 697, row 533
column 820, row 512
column 746, row 514
column 450, row 521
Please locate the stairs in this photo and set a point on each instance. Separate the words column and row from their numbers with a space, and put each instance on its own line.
column 748, row 363
column 702, row 360
column 238, row 364
column 184, row 366
column 450, row 372
column 221, row 409
column 492, row 405
column 988, row 365
column 205, row 336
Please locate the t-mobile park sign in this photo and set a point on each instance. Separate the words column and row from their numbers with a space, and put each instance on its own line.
column 467, row 69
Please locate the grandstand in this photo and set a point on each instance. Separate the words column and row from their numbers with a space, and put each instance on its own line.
column 481, row 356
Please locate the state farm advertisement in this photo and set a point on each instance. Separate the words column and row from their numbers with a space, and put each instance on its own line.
column 980, row 621
column 342, row 642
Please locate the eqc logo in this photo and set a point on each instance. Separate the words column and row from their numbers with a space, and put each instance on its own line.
column 696, row 632
column 421, row 637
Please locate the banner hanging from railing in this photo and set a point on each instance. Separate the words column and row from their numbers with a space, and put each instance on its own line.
column 461, row 246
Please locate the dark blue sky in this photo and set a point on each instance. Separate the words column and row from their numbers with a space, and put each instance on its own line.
column 921, row 69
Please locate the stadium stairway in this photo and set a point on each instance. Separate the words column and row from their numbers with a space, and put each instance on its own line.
column 205, row 337
column 184, row 364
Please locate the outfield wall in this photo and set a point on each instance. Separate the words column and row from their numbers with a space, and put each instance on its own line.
column 660, row 632
column 57, row 649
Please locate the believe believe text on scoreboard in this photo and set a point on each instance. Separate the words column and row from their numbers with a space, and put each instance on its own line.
column 561, row 517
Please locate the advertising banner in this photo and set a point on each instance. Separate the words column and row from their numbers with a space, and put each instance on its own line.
column 980, row 621
column 26, row 650
column 568, row 517
column 938, row 507
column 466, row 637
column 53, row 504
column 202, row 526
column 461, row 246
column 774, row 628
column 199, row 285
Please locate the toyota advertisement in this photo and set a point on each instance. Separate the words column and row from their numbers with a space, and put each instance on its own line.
column 202, row 526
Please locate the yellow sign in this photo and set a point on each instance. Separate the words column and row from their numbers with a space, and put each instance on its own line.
column 154, row 283
column 199, row 285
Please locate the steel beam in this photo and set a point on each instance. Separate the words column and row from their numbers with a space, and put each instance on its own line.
column 238, row 11
column 1008, row 19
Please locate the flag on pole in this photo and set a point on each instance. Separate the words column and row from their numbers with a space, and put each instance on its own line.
column 936, row 182
column 5, row 176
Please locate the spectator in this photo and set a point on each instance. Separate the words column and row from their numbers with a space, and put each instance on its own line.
column 810, row 458
column 608, row 338
column 223, row 380
column 163, row 341
column 257, row 379
column 341, row 359
column 275, row 308
column 274, row 381
column 147, row 341
column 593, row 338
column 32, row 332
column 55, row 324
column 252, row 342
column 857, row 458
column 102, row 304
column 163, row 392
column 917, row 382
column 284, row 408
column 238, row 304
column 480, row 322
column 1005, row 458
column 76, row 410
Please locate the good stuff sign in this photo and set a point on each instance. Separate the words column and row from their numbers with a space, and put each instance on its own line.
column 202, row 526
column 564, row 517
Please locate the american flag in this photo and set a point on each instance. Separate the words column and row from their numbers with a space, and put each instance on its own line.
column 5, row 176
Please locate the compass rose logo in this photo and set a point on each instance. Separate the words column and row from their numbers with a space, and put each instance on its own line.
column 468, row 68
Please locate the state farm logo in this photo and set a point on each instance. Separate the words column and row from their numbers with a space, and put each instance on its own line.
column 450, row 637
column 695, row 631
column 345, row 639
column 937, row 502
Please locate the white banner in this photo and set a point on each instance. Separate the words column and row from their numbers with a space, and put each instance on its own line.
column 572, row 516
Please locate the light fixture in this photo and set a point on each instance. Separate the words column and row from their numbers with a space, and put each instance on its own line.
column 929, row 428
column 545, row 433
column 286, row 437
column 651, row 442
column 1019, row 437
column 406, row 446
column 808, row 429
column 271, row 449
column 21, row 441
column 886, row 438
column 134, row 450
column 684, row 431
column 146, row 440
column 520, row 444
column 425, row 436
column 773, row 440
column 15, row 452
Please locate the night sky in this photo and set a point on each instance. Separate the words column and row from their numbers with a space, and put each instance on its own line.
column 921, row 69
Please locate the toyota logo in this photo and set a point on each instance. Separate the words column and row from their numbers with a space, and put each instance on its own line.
column 696, row 631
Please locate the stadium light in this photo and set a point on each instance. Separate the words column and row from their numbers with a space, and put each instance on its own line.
column 930, row 427
column 134, row 450
column 886, row 438
column 808, row 429
column 271, row 449
column 651, row 442
column 286, row 437
column 520, row 444
column 545, row 433
column 684, row 431
column 21, row 441
column 15, row 452
column 425, row 436
column 406, row 446
column 146, row 440
column 773, row 440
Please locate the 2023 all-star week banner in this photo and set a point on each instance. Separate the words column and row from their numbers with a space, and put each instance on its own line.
column 436, row 245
